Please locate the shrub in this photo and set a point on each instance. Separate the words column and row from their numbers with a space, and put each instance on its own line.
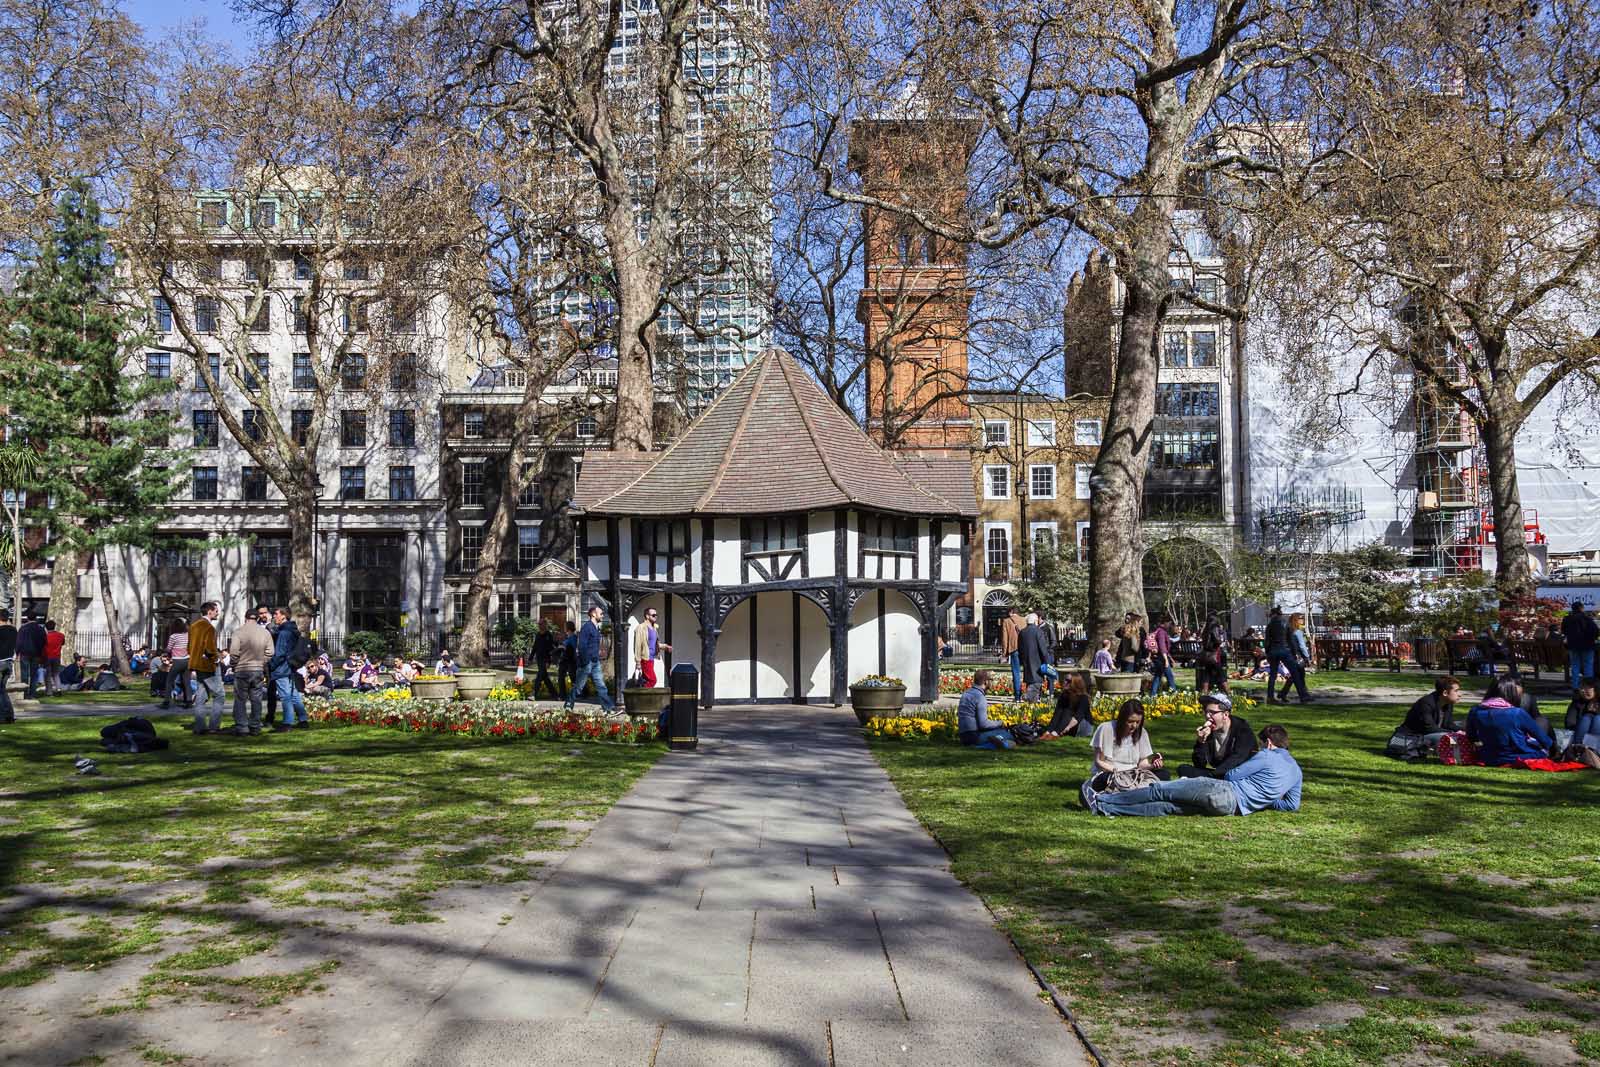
column 878, row 681
column 368, row 642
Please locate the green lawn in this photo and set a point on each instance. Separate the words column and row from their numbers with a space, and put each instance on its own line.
column 1407, row 914
column 185, row 857
column 136, row 694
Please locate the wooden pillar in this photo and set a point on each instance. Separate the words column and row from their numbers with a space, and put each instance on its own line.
column 839, row 616
column 619, row 633
column 931, row 620
column 709, row 627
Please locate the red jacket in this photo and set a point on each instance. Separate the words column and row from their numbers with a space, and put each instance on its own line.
column 54, row 641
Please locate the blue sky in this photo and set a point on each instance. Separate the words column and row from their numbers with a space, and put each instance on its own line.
column 159, row 16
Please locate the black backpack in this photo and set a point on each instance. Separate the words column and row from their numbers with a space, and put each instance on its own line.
column 131, row 735
column 300, row 655
column 1026, row 733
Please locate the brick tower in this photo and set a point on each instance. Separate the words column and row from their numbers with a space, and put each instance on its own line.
column 914, row 295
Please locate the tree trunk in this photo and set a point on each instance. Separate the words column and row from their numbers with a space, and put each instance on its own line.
column 64, row 597
column 634, row 426
column 119, row 654
column 1116, row 585
column 1513, row 571
column 16, row 563
column 300, row 504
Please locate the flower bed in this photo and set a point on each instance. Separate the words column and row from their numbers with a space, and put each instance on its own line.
column 939, row 724
column 957, row 681
column 505, row 718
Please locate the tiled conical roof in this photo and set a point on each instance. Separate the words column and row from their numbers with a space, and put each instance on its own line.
column 773, row 442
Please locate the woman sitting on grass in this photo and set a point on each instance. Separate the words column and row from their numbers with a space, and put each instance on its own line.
column 1072, row 711
column 1123, row 744
column 1583, row 714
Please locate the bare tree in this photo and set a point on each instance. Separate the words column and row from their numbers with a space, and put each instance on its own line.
column 1449, row 212
column 1090, row 115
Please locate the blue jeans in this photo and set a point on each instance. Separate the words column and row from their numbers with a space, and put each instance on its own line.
column 1016, row 676
column 1000, row 737
column 1587, row 724
column 289, row 699
column 1161, row 669
column 1183, row 796
column 1582, row 662
column 1297, row 674
column 587, row 671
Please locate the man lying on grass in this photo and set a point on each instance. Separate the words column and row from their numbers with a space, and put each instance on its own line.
column 1269, row 779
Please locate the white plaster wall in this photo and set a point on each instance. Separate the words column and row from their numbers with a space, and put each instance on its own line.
column 903, row 642
column 852, row 543
column 924, row 546
column 820, row 544
column 863, row 640
column 728, row 552
column 816, row 659
column 625, row 551
column 733, row 654
column 774, row 666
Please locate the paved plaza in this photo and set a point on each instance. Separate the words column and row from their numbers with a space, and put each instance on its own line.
column 765, row 900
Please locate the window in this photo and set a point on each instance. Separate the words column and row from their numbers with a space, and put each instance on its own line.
column 1185, row 450
column 997, row 550
column 776, row 534
column 472, row 421
column 527, row 547
column 352, row 483
column 1082, row 473
column 1086, row 432
column 458, row 610
column 1187, row 400
column 357, row 270
column 471, row 547
column 1203, row 348
column 214, row 364
column 381, row 552
column 300, row 425
column 402, row 428
column 158, row 365
column 353, row 371
column 996, row 433
column 205, row 429
column 311, row 215
column 252, row 483
column 1042, row 481
column 304, row 375
column 177, row 556
column 1174, row 349
column 587, row 427
column 352, row 429
column 403, row 315
column 1043, row 536
column 1041, row 432
column 472, row 484
column 997, row 482
column 253, row 423
column 402, row 483
column 257, row 371
column 529, row 497
column 262, row 323
column 213, row 214
column 208, row 268
column 1208, row 287
column 163, row 314
column 303, row 269
column 206, row 314
column 353, row 315
column 403, row 371
column 164, row 419
column 888, row 533
column 301, row 323
column 258, row 268
column 266, row 215
column 1083, row 542
column 205, row 483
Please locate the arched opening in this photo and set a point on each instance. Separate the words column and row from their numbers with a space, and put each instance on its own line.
column 774, row 647
column 886, row 638
column 679, row 628
column 1184, row 579
column 996, row 606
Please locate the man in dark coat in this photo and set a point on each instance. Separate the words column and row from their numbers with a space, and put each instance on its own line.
column 1033, row 649
column 1223, row 741
column 30, row 655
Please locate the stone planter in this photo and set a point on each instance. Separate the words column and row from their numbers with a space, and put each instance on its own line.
column 646, row 700
column 1129, row 685
column 434, row 690
column 870, row 701
column 475, row 685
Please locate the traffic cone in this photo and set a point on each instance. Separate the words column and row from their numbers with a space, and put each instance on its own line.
column 519, row 668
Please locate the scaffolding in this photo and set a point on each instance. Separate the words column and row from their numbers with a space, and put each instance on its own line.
column 1305, row 521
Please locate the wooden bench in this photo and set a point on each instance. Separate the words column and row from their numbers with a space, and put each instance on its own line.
column 1343, row 650
column 1545, row 655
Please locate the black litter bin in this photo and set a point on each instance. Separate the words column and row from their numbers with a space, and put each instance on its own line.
column 683, row 714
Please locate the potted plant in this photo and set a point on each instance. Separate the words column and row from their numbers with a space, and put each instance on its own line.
column 433, row 687
column 645, row 700
column 1130, row 685
column 876, row 694
column 474, row 683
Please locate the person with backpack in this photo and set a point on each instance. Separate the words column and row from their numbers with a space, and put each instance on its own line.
column 206, row 666
column 1580, row 633
column 1159, row 645
column 1211, row 666
column 291, row 650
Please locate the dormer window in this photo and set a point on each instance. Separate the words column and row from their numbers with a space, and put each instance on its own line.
column 774, row 548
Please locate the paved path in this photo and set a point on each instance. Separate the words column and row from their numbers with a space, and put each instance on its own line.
column 765, row 900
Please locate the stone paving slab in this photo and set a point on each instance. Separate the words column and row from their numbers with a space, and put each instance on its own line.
column 765, row 900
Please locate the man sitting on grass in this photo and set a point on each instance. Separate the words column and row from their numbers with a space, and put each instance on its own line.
column 1222, row 742
column 1429, row 719
column 973, row 724
column 1268, row 780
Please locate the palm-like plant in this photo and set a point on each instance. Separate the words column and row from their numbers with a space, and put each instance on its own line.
column 19, row 466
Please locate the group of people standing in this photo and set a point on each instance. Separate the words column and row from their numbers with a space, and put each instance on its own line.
column 265, row 649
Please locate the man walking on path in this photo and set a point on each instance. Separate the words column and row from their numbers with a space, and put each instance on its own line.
column 8, row 659
column 30, row 654
column 1280, row 657
column 589, row 662
column 252, row 648
column 544, row 650
column 55, row 642
column 1010, row 630
column 206, row 666
column 647, row 645
column 1580, row 632
column 567, row 673
column 287, row 648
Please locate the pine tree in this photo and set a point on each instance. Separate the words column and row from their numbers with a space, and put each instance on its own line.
column 70, row 397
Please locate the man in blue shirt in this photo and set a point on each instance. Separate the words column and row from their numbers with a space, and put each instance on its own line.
column 973, row 724
column 1504, row 732
column 1268, row 780
column 589, row 662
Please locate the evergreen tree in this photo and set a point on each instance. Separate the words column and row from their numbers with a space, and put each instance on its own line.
column 70, row 397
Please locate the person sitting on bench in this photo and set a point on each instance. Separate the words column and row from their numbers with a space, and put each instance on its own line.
column 1429, row 719
column 973, row 725
column 1222, row 742
column 1269, row 780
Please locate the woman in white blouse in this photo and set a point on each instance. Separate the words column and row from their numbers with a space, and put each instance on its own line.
column 1123, row 744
